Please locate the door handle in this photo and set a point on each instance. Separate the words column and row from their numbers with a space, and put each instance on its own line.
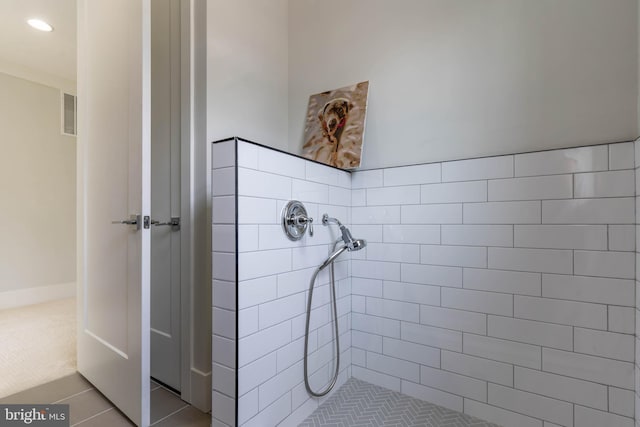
column 174, row 223
column 133, row 220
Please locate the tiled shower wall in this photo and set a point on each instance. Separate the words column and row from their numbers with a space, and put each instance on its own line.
column 273, row 281
column 502, row 287
column 637, row 342
column 224, row 273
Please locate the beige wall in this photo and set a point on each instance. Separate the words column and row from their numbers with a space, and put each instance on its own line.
column 449, row 78
column 247, row 66
column 454, row 79
column 37, row 184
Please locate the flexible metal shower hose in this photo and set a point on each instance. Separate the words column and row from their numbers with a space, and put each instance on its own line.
column 335, row 323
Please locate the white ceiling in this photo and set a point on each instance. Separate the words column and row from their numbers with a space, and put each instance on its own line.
column 52, row 53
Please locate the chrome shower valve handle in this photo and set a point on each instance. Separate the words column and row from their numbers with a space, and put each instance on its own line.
column 296, row 221
column 301, row 220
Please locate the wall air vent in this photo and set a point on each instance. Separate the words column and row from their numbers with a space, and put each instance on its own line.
column 69, row 109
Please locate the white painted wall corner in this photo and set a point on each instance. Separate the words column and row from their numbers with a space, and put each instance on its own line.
column 37, row 295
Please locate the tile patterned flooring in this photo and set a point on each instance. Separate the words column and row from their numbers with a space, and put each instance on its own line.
column 358, row 403
column 89, row 408
column 355, row 404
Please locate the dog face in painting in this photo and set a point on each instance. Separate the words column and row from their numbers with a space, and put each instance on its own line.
column 333, row 117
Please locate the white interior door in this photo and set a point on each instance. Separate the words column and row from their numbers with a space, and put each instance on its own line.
column 113, row 183
column 165, row 192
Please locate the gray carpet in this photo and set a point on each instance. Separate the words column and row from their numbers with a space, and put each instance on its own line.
column 358, row 403
column 37, row 344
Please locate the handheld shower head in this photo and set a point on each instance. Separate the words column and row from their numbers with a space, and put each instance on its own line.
column 358, row 244
column 351, row 243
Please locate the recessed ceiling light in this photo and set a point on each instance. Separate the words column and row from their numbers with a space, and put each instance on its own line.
column 39, row 24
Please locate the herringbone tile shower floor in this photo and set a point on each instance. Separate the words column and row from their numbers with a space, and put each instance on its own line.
column 359, row 404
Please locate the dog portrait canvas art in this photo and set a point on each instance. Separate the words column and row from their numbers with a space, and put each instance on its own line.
column 334, row 127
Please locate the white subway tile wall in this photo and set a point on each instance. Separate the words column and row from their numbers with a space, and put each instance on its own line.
column 621, row 325
column 223, row 267
column 525, row 297
column 503, row 287
column 273, row 283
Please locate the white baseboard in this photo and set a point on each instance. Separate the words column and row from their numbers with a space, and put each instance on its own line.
column 37, row 295
column 201, row 390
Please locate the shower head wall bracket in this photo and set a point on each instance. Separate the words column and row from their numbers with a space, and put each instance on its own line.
column 295, row 220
